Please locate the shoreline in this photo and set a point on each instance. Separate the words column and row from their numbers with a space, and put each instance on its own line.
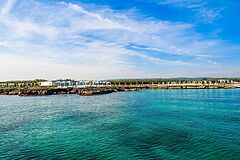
column 91, row 91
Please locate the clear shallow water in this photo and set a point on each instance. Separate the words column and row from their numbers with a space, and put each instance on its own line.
column 161, row 124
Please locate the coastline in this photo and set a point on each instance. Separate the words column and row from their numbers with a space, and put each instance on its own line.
column 90, row 91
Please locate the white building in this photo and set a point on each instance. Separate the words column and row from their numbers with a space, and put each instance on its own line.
column 45, row 84
column 80, row 83
column 236, row 84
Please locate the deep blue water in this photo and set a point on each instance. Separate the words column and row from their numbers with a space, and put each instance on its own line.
column 159, row 124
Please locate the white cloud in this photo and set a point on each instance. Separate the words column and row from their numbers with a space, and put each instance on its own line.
column 63, row 40
column 185, row 3
column 23, row 67
column 203, row 12
column 7, row 7
column 209, row 15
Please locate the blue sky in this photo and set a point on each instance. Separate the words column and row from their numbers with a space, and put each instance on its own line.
column 107, row 39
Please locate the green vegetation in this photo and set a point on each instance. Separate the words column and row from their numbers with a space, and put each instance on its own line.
column 148, row 81
column 167, row 81
column 21, row 83
column 25, row 81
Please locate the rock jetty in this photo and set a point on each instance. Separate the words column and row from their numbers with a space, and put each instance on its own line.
column 90, row 91
column 54, row 91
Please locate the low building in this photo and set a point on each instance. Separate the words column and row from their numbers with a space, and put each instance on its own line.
column 79, row 83
column 45, row 84
column 65, row 83
column 236, row 84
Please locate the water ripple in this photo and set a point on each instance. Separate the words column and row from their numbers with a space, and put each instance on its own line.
column 165, row 124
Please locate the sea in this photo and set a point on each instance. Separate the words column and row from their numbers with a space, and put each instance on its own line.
column 193, row 124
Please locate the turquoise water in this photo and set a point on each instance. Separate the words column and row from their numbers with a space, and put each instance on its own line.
column 161, row 124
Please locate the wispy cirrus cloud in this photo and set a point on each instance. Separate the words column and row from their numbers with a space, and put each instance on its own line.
column 200, row 7
column 7, row 7
column 93, row 42
column 185, row 3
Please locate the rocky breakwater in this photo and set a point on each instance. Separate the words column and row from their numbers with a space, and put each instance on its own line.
column 35, row 91
column 54, row 91
column 95, row 91
column 9, row 91
column 106, row 90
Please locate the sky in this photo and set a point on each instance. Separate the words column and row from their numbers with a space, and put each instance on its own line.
column 110, row 39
